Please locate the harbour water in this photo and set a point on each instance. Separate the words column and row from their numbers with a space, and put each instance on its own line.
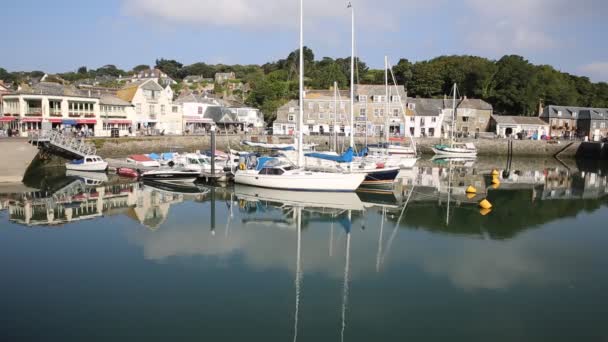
column 110, row 259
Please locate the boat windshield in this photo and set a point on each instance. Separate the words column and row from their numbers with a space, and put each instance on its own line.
column 202, row 161
column 193, row 161
column 289, row 168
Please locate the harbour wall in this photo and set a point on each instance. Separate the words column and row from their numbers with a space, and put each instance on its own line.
column 16, row 155
column 120, row 147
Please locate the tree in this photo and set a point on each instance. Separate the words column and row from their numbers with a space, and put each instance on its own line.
column 513, row 86
column 403, row 72
column 170, row 67
column 202, row 69
column 427, row 80
column 83, row 70
column 325, row 76
column 6, row 76
column 109, row 70
column 141, row 67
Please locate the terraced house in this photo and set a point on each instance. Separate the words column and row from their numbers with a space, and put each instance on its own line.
column 569, row 121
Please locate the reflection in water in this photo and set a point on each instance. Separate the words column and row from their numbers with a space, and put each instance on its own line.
column 377, row 266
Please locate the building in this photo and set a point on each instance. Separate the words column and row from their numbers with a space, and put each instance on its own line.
column 117, row 115
column 251, row 118
column 155, row 112
column 193, row 108
column 472, row 116
column 424, row 117
column 593, row 123
column 222, row 77
column 192, row 79
column 54, row 106
column 526, row 126
column 154, row 74
column 4, row 90
column 562, row 120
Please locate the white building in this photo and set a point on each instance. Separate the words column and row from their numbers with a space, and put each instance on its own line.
column 193, row 108
column 155, row 112
column 52, row 105
column 250, row 117
column 115, row 114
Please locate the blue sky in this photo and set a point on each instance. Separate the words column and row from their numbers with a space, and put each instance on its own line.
column 61, row 35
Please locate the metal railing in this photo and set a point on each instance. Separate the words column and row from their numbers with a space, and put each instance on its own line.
column 74, row 145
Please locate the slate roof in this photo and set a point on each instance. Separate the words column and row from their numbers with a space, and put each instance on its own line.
column 127, row 92
column 326, row 95
column 53, row 89
column 220, row 114
column 194, row 98
column 519, row 120
column 374, row 89
column 567, row 112
column 425, row 107
column 474, row 104
column 593, row 114
column 112, row 100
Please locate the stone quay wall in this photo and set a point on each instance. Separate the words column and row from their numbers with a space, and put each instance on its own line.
column 120, row 147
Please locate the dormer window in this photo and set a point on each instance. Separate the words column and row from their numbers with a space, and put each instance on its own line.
column 559, row 113
column 362, row 98
column 574, row 114
column 292, row 109
column 396, row 98
column 411, row 106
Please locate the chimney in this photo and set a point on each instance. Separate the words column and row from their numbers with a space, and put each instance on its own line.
column 445, row 97
column 541, row 106
column 89, row 92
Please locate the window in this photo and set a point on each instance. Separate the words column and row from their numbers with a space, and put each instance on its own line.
column 376, row 112
column 152, row 109
column 321, row 116
column 311, row 105
column 412, row 131
column 162, row 109
column 174, row 109
column 395, row 112
column 362, row 112
column 138, row 108
column 342, row 105
column 271, row 171
column 396, row 98
column 321, row 106
column 378, row 98
column 412, row 119
column 411, row 106
column 200, row 110
column 291, row 117
column 574, row 114
column 292, row 110
column 422, row 122
column 559, row 113
column 465, row 119
column 331, row 128
column 362, row 98
column 433, row 119
column 311, row 128
column 603, row 125
column 381, row 112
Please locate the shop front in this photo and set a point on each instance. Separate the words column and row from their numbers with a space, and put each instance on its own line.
column 9, row 126
column 120, row 127
column 197, row 125
column 79, row 127
column 30, row 125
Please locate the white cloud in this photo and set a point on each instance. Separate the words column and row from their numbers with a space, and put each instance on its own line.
column 597, row 71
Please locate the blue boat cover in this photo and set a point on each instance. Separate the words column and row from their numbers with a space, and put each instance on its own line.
column 346, row 157
column 77, row 161
column 153, row 156
column 262, row 161
column 363, row 152
column 166, row 156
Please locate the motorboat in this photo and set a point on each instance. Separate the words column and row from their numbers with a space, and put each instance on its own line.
column 142, row 160
column 88, row 163
column 276, row 173
column 171, row 175
column 391, row 149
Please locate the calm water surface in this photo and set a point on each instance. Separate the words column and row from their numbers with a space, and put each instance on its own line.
column 88, row 259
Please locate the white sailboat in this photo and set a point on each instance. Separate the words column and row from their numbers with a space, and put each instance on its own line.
column 280, row 174
column 455, row 149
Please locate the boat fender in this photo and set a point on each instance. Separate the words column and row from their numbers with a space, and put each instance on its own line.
column 495, row 180
column 484, row 212
column 494, row 172
column 171, row 164
column 485, row 204
column 471, row 190
column 242, row 166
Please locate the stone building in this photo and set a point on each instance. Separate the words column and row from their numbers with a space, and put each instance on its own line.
column 472, row 116
column 562, row 120
column 529, row 127
column 593, row 123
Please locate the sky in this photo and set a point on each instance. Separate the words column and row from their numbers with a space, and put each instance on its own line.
column 62, row 35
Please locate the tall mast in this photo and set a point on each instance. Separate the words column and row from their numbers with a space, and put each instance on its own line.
column 453, row 117
column 387, row 109
column 301, row 119
column 335, row 116
column 352, row 78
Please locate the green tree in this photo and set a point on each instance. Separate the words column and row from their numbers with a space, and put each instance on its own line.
column 170, row 67
column 140, row 67
column 83, row 70
column 513, row 85
column 427, row 80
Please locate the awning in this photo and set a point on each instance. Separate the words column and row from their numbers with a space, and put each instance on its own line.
column 197, row 119
column 31, row 120
column 7, row 119
column 128, row 122
column 55, row 120
column 71, row 122
column 86, row 121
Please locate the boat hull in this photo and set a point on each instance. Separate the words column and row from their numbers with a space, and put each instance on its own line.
column 170, row 176
column 302, row 181
column 454, row 152
column 382, row 178
column 88, row 167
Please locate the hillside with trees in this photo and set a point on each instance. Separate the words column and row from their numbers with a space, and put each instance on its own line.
column 511, row 84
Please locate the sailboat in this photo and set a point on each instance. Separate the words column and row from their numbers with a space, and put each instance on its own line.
column 278, row 173
column 404, row 157
column 455, row 149
column 377, row 173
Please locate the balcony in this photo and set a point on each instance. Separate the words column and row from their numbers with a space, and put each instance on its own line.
column 55, row 114
column 34, row 112
column 152, row 116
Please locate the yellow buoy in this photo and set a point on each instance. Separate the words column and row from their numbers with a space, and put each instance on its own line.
column 496, row 185
column 471, row 190
column 485, row 204
column 471, row 195
column 494, row 172
column 495, row 180
column 484, row 212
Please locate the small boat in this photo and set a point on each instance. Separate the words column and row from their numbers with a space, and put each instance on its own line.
column 142, row 160
column 171, row 175
column 127, row 172
column 456, row 150
column 391, row 149
column 88, row 163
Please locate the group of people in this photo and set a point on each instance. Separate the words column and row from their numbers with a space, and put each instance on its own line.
column 9, row 132
column 81, row 132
